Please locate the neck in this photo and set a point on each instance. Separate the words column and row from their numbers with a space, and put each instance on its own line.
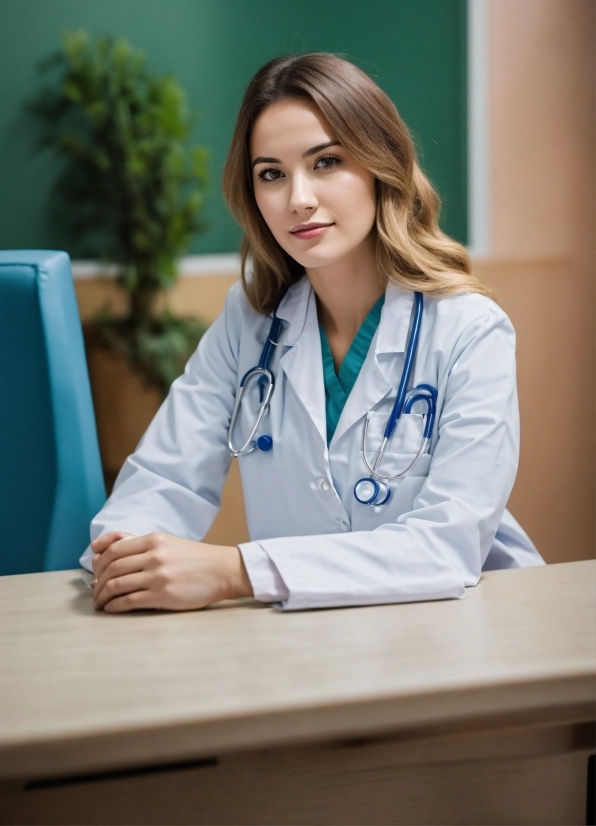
column 346, row 292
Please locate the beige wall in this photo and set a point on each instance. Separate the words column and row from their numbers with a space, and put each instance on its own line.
column 541, row 103
column 553, row 496
column 542, row 150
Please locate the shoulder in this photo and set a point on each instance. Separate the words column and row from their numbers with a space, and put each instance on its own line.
column 237, row 302
column 470, row 324
column 468, row 314
column 469, row 307
column 235, row 323
column 238, row 315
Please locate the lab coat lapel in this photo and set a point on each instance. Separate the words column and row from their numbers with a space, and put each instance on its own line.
column 377, row 377
column 303, row 364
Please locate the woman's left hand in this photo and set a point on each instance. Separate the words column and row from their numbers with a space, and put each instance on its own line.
column 164, row 572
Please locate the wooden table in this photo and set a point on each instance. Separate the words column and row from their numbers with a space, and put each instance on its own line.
column 473, row 711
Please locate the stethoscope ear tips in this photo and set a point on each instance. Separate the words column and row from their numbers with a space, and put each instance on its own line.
column 265, row 443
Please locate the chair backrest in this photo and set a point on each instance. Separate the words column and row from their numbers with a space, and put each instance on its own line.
column 51, row 482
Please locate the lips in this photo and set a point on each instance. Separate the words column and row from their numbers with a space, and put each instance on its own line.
column 306, row 231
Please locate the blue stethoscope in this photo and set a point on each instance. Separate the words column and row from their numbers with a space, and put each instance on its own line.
column 266, row 381
column 373, row 489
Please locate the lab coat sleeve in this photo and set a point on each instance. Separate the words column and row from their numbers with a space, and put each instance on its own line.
column 266, row 583
column 173, row 481
column 438, row 548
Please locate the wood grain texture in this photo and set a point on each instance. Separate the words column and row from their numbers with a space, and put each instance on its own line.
column 82, row 691
column 514, row 775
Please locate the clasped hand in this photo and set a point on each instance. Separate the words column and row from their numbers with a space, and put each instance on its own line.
column 164, row 572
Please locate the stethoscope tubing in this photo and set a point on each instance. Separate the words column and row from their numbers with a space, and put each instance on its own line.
column 270, row 343
column 407, row 371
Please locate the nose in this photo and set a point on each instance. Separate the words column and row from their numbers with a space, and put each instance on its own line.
column 302, row 195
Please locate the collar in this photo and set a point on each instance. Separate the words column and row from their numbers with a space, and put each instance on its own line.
column 394, row 325
column 395, row 320
column 293, row 308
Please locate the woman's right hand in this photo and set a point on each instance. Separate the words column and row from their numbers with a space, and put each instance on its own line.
column 101, row 544
column 165, row 572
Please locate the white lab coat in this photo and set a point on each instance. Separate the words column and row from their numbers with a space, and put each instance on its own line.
column 312, row 544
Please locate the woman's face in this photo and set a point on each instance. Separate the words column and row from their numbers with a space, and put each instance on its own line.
column 318, row 202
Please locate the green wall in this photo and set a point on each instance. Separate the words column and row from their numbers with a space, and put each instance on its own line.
column 415, row 49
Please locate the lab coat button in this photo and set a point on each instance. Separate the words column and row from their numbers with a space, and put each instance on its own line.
column 323, row 484
column 344, row 525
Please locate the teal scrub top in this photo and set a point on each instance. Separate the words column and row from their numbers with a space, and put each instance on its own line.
column 339, row 385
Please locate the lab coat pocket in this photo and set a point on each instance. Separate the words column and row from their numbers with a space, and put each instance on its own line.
column 403, row 445
column 403, row 493
column 393, row 464
column 407, row 489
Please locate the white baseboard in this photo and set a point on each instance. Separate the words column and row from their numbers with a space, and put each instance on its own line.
column 189, row 266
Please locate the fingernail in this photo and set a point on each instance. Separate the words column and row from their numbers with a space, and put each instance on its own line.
column 93, row 582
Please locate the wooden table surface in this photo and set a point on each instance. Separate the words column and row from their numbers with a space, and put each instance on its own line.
column 83, row 691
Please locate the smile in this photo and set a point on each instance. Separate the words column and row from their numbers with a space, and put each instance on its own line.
column 306, row 231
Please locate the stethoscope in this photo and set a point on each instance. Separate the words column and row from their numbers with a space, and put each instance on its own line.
column 266, row 383
column 373, row 489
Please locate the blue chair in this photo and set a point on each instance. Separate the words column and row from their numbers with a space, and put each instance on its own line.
column 51, row 482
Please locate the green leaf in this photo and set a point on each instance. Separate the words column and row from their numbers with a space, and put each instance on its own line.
column 135, row 189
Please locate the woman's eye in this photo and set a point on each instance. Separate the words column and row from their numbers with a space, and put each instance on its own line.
column 271, row 174
column 327, row 162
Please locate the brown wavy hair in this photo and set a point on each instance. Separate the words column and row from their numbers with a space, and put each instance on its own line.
column 411, row 250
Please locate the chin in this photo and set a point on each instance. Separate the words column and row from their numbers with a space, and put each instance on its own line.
column 315, row 259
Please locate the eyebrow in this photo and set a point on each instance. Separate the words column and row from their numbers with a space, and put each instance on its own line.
column 307, row 154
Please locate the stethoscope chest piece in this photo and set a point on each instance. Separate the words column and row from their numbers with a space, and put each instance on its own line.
column 369, row 491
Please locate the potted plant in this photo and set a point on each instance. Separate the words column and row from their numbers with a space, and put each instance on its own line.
column 131, row 193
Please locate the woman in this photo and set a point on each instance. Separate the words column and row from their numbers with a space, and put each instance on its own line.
column 341, row 230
